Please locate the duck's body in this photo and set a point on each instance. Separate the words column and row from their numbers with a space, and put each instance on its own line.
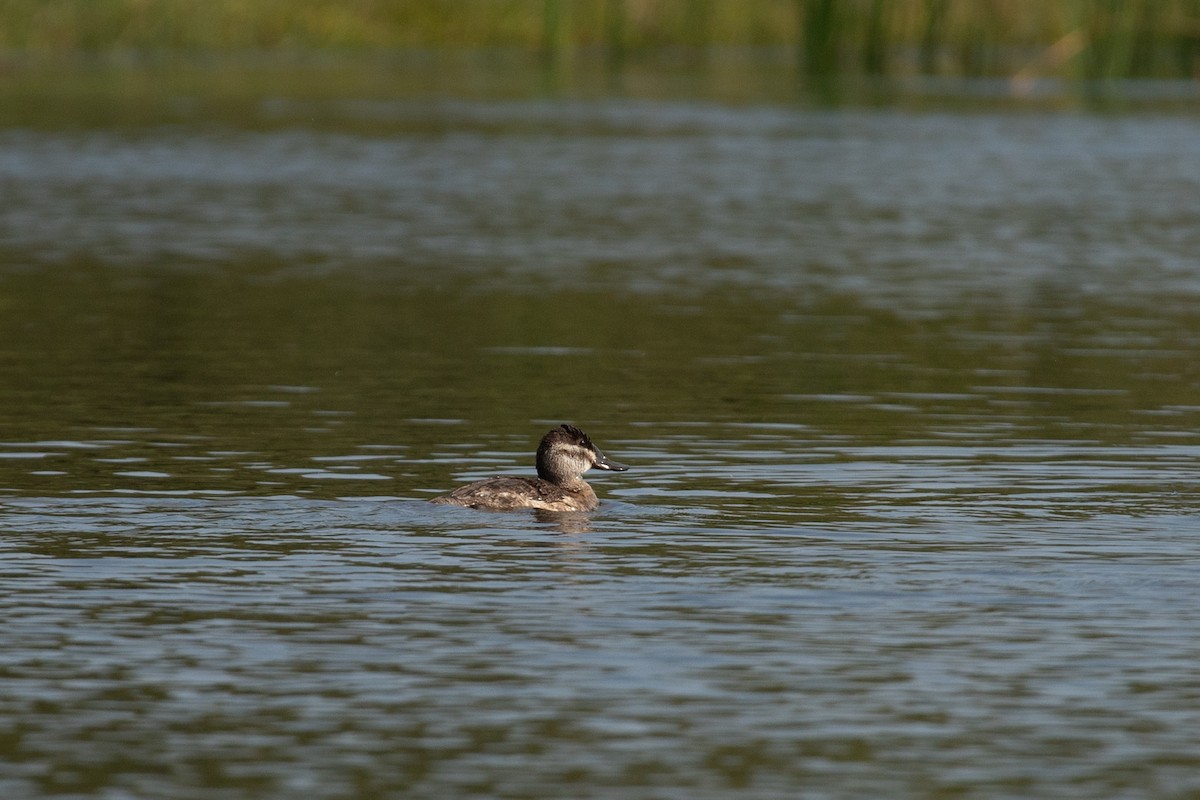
column 505, row 493
column 564, row 454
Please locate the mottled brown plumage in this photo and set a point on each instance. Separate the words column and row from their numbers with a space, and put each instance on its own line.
column 564, row 454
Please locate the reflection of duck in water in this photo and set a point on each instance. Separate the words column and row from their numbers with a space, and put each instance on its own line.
column 563, row 456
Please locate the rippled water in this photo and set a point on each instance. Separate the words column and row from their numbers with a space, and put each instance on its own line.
column 910, row 400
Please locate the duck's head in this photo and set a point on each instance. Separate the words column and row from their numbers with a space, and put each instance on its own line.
column 566, row 453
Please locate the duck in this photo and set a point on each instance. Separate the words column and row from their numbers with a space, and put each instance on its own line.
column 563, row 455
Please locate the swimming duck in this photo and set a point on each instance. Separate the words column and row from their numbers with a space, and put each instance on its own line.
column 564, row 454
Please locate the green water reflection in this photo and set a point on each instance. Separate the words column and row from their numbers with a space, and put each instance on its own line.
column 340, row 92
column 311, row 368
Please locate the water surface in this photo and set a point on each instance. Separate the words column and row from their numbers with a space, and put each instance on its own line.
column 910, row 399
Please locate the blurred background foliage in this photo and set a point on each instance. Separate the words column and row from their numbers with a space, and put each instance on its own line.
column 1073, row 38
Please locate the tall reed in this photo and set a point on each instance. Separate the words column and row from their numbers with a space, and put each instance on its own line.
column 1081, row 38
column 819, row 23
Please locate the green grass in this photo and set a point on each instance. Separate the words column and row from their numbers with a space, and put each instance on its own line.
column 1107, row 38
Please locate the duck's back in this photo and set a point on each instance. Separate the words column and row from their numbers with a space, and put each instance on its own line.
column 505, row 493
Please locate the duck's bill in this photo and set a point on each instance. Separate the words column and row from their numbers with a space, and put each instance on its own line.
column 604, row 462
